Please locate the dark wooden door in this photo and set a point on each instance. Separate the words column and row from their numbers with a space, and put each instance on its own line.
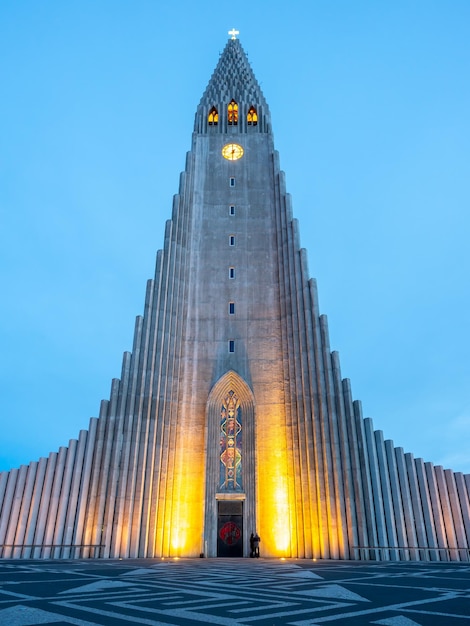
column 230, row 529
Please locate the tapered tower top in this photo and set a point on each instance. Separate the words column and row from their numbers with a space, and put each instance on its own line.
column 233, row 100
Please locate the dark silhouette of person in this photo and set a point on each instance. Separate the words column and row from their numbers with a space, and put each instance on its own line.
column 252, row 545
column 256, row 542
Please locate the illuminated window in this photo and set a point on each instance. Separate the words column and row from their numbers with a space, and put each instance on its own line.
column 231, row 346
column 232, row 111
column 213, row 117
column 252, row 117
column 231, row 210
column 231, row 272
column 231, row 240
column 231, row 442
column 232, row 182
column 231, row 308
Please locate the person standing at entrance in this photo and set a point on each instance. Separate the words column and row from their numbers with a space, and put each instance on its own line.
column 256, row 540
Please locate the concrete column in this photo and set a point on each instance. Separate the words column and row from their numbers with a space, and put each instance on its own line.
column 34, row 509
column 72, row 512
column 349, row 515
column 107, row 480
column 376, row 489
column 21, row 528
column 365, row 475
column 118, row 463
column 418, row 511
column 3, row 485
column 386, row 493
column 437, row 510
column 12, row 477
column 426, row 507
column 464, row 502
column 44, row 506
column 452, row 513
column 354, row 470
column 15, row 510
column 47, row 551
column 92, row 532
column 78, row 537
column 404, row 486
column 397, row 511
column 131, row 436
column 64, row 498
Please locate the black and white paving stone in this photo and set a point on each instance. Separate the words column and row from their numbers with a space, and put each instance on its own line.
column 255, row 592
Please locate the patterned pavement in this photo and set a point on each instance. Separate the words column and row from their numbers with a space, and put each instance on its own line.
column 255, row 592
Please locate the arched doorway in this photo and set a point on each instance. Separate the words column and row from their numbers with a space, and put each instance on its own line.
column 230, row 512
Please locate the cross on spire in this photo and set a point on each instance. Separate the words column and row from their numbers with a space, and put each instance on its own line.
column 234, row 33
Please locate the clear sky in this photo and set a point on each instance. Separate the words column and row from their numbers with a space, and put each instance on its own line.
column 370, row 103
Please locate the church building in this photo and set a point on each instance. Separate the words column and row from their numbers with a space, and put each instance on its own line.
column 231, row 416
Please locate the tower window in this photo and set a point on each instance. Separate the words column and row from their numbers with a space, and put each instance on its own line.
column 231, row 240
column 231, row 210
column 252, row 117
column 231, row 272
column 213, row 117
column 231, row 345
column 232, row 182
column 231, row 308
column 232, row 113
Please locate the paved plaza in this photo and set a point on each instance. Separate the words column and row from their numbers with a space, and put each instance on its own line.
column 255, row 592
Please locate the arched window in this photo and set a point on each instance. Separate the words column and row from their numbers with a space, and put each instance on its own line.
column 252, row 117
column 213, row 117
column 232, row 111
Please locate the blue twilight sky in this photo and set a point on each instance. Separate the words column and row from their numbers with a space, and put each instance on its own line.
column 370, row 102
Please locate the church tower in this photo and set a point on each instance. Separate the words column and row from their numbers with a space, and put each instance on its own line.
column 231, row 415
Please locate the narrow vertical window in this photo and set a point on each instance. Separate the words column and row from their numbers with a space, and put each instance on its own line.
column 231, row 240
column 213, row 117
column 231, row 345
column 231, row 308
column 232, row 182
column 252, row 117
column 231, row 210
column 231, row 272
column 232, row 113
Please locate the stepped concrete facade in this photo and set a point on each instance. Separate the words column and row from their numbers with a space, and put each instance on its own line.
column 231, row 415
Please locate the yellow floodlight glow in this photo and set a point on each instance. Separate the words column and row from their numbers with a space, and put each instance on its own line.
column 281, row 518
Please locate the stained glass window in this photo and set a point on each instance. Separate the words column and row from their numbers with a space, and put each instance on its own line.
column 213, row 117
column 232, row 111
column 252, row 117
column 231, row 444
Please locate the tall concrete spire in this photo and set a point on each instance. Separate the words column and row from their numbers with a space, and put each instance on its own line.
column 231, row 415
column 233, row 79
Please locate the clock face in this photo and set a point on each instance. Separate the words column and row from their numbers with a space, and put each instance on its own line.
column 232, row 151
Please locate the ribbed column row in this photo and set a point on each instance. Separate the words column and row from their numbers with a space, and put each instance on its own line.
column 354, row 495
column 40, row 515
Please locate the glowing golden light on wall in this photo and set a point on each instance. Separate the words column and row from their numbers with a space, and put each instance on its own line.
column 273, row 494
column 187, row 512
column 281, row 519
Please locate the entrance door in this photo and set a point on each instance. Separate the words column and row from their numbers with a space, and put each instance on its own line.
column 230, row 528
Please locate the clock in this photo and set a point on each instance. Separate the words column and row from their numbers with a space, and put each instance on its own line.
column 232, row 151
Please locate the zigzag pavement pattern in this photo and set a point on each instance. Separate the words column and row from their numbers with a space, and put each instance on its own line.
column 232, row 592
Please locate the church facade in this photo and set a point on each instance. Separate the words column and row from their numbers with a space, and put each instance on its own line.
column 231, row 415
